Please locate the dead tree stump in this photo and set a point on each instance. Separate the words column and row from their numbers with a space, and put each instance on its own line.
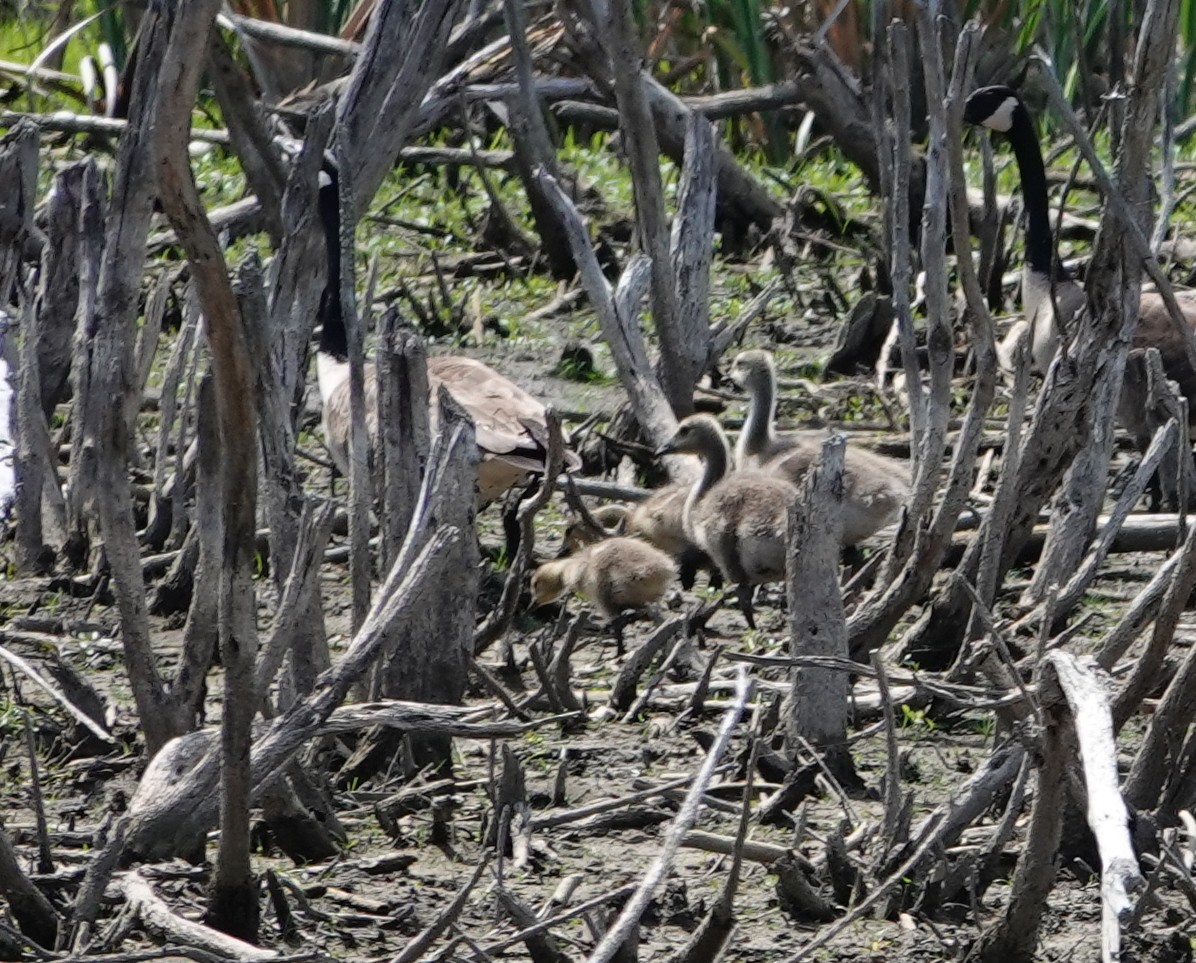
column 403, row 428
column 59, row 294
column 428, row 654
column 18, row 168
column 817, row 707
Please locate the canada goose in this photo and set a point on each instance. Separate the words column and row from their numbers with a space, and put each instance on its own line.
column 616, row 575
column 1000, row 109
column 741, row 519
column 512, row 434
column 658, row 520
column 875, row 487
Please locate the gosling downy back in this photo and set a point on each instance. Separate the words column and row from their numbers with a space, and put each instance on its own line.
column 615, row 575
column 511, row 425
column 875, row 486
column 612, row 520
column 658, row 520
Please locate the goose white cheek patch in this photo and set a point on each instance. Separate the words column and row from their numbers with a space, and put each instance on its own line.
column 1001, row 119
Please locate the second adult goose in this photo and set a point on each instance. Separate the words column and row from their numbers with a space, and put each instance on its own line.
column 740, row 519
column 512, row 433
column 875, row 487
column 1000, row 109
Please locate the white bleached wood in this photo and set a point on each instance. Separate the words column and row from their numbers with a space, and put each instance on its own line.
column 1108, row 817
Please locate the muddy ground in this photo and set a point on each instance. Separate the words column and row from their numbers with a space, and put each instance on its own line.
column 387, row 885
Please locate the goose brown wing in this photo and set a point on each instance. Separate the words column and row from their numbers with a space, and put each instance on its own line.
column 509, row 421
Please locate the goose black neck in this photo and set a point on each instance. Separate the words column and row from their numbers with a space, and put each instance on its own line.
column 333, row 338
column 1040, row 250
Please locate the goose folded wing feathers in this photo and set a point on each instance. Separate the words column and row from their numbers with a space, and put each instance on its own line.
column 510, row 423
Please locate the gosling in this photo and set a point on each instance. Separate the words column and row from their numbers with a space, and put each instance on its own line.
column 658, row 520
column 612, row 520
column 740, row 520
column 874, row 487
column 616, row 575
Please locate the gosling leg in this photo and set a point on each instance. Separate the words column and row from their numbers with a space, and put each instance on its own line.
column 616, row 626
column 744, row 592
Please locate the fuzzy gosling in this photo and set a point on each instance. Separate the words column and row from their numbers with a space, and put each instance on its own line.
column 615, row 575
column 875, row 487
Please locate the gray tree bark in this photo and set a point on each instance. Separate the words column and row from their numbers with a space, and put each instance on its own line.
column 399, row 60
column 680, row 369
column 1015, row 935
column 84, row 461
column 35, row 915
column 428, row 655
column 248, row 133
column 817, row 707
column 31, row 461
column 872, row 622
column 105, row 338
column 284, row 501
column 58, row 297
column 201, row 631
column 403, row 420
column 182, row 34
column 175, row 811
column 18, row 168
column 1062, row 423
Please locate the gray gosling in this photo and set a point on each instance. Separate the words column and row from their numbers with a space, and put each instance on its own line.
column 658, row 520
column 875, row 487
column 739, row 519
column 615, row 575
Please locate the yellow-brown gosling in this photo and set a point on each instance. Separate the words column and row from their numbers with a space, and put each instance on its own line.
column 659, row 520
column 615, row 575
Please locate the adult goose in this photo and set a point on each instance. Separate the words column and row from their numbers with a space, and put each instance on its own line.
column 512, row 433
column 875, row 487
column 1000, row 109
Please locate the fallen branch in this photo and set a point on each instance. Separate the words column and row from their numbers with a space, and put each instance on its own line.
column 545, row 925
column 420, row 943
column 78, row 714
column 629, row 919
column 1107, row 815
column 939, row 829
column 153, row 911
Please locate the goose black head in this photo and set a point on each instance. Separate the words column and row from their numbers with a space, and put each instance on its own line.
column 993, row 107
